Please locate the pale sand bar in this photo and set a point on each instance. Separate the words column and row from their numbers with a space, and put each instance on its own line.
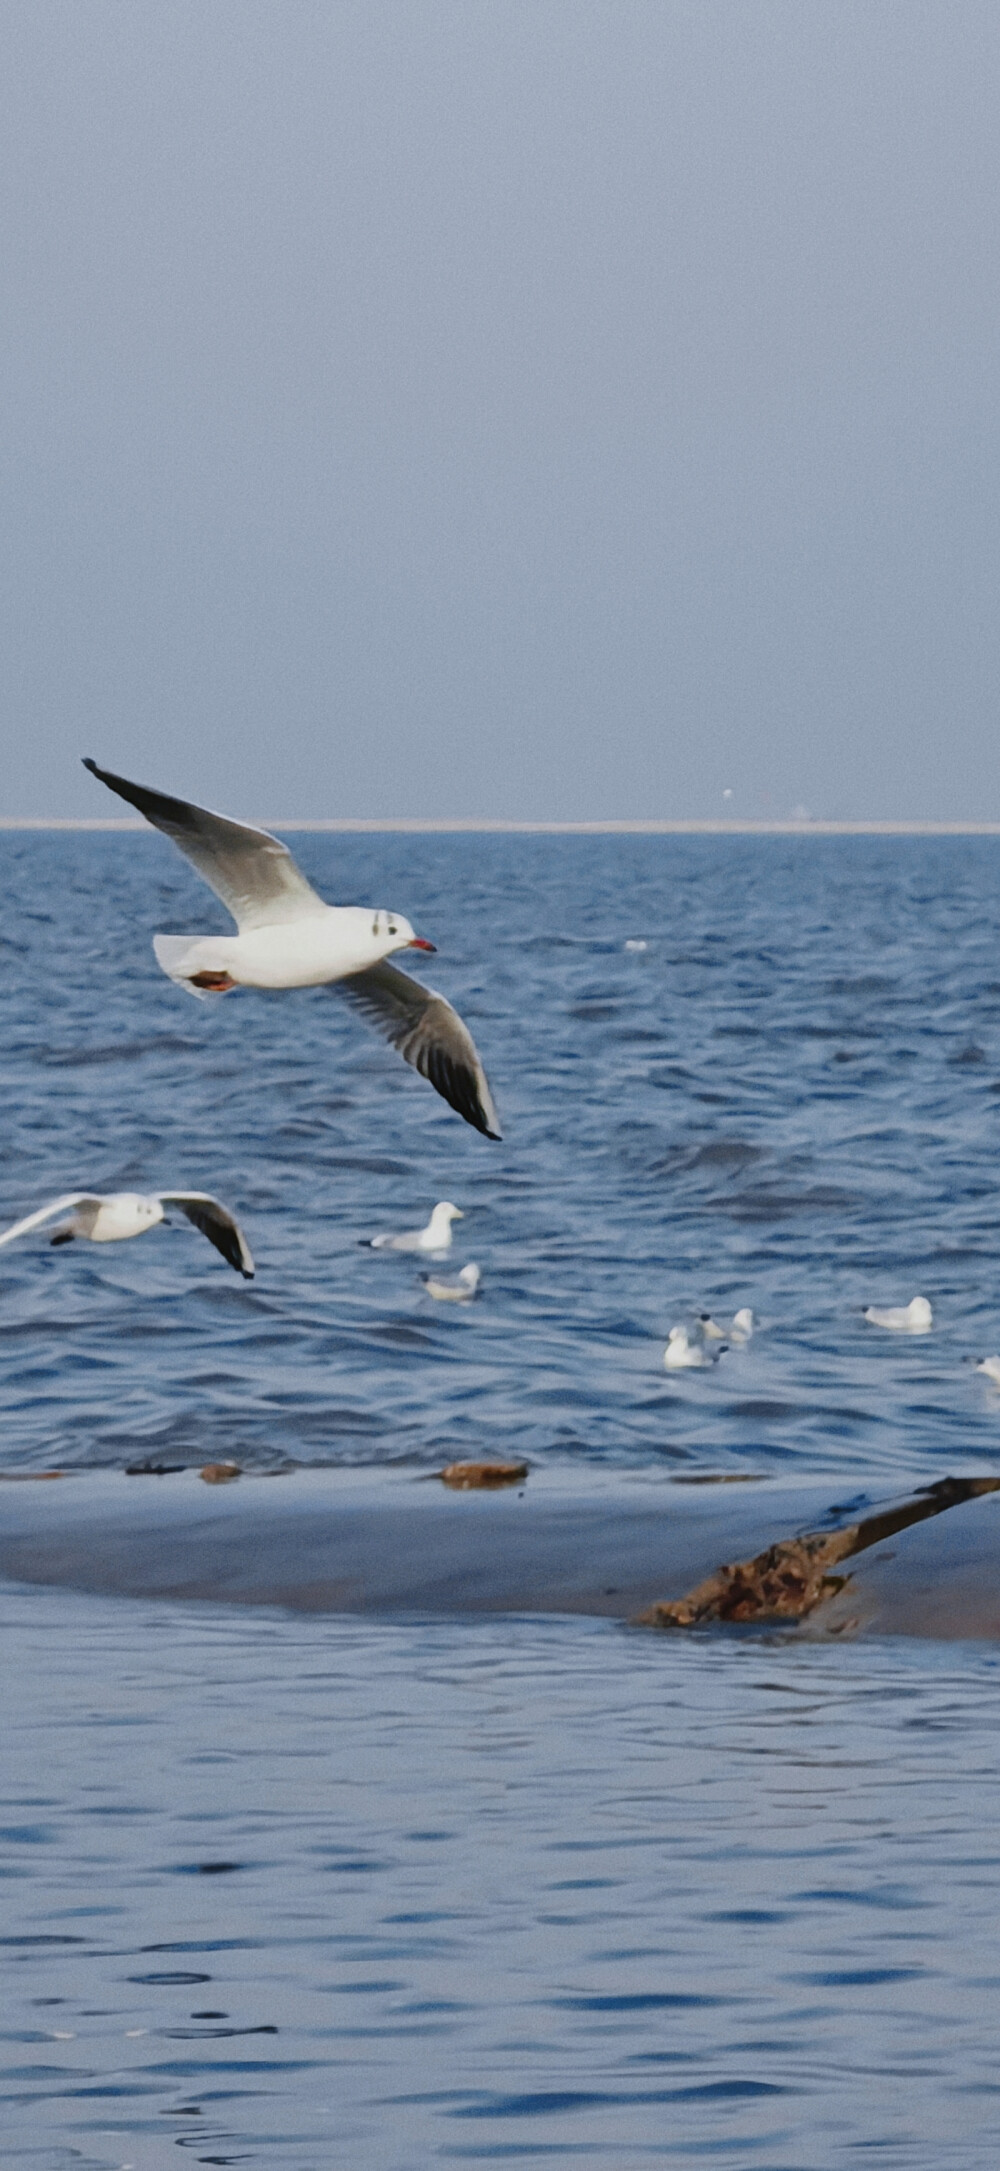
column 395, row 1541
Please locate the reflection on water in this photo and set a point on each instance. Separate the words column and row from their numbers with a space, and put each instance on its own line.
column 335, row 1896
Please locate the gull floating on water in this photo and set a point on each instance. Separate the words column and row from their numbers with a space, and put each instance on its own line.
column 113, row 1217
column 913, row 1318
column 681, row 1354
column 991, row 1367
column 460, row 1291
column 435, row 1237
column 740, row 1328
column 288, row 937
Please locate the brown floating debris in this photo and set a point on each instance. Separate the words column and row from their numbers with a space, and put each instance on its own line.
column 219, row 1473
column 792, row 1577
column 782, row 1584
column 29, row 1477
column 467, row 1477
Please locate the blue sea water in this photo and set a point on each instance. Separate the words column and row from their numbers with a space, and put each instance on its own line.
column 345, row 1896
column 789, row 1099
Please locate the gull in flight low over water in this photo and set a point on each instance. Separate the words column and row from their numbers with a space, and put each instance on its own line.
column 435, row 1237
column 289, row 938
column 460, row 1291
column 117, row 1215
column 913, row 1318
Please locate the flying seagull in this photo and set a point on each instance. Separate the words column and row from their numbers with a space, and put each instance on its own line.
column 113, row 1217
column 289, row 938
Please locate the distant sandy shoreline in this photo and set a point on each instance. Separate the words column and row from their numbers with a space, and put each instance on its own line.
column 383, row 826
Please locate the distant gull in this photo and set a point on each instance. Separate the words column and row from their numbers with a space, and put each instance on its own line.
column 681, row 1354
column 635, row 942
column 435, row 1237
column 288, row 937
column 739, row 1330
column 460, row 1291
column 913, row 1318
column 112, row 1217
column 991, row 1367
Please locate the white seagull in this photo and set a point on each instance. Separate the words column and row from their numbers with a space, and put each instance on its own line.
column 289, row 938
column 112, row 1217
column 435, row 1237
column 739, row 1330
column 681, row 1354
column 913, row 1318
column 991, row 1367
column 460, row 1291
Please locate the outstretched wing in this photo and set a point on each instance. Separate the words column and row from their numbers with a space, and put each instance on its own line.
column 253, row 873
column 217, row 1223
column 50, row 1213
column 430, row 1035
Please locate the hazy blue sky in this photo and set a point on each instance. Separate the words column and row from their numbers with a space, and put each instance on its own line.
column 528, row 408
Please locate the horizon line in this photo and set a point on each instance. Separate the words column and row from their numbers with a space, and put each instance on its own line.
column 473, row 826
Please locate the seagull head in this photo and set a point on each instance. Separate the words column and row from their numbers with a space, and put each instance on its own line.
column 395, row 933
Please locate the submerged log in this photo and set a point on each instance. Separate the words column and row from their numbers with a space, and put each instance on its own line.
column 790, row 1579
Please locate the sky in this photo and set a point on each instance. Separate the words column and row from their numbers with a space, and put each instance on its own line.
column 525, row 409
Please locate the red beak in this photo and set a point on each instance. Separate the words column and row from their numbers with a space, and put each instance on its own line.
column 418, row 943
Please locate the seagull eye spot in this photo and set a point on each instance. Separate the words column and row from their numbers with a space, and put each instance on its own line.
column 392, row 927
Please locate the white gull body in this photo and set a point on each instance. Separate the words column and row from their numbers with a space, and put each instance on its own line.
column 288, row 937
column 115, row 1216
column 991, row 1367
column 436, row 1237
column 460, row 1291
column 740, row 1328
column 681, row 1354
column 913, row 1318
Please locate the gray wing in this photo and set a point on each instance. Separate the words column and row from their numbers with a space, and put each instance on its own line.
column 430, row 1035
column 84, row 1201
column 217, row 1223
column 253, row 873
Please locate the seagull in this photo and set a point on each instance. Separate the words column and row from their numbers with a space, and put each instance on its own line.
column 681, row 1354
column 991, row 1367
column 114, row 1216
column 435, row 1237
column 913, row 1318
column 288, row 937
column 740, row 1329
column 460, row 1291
